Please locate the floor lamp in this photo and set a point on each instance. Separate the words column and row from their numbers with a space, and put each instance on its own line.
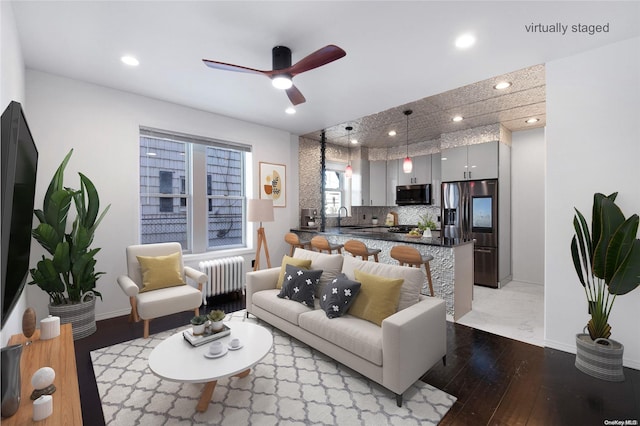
column 260, row 211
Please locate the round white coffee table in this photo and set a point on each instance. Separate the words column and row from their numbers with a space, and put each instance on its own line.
column 176, row 360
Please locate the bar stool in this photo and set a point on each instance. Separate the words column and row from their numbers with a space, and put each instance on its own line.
column 295, row 241
column 322, row 244
column 412, row 257
column 357, row 248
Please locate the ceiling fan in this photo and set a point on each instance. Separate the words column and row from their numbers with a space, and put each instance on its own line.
column 283, row 71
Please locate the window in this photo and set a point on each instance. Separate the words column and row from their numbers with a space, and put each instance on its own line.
column 192, row 191
column 334, row 191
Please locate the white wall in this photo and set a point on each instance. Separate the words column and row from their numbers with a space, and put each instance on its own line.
column 593, row 145
column 527, row 205
column 11, row 89
column 102, row 126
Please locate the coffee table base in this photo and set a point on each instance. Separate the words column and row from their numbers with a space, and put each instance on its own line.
column 209, row 387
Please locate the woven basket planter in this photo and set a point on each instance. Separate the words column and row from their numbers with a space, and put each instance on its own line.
column 81, row 315
column 598, row 360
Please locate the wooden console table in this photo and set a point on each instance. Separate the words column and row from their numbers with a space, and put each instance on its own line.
column 60, row 355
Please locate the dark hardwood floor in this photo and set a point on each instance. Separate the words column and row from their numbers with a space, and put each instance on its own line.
column 498, row 381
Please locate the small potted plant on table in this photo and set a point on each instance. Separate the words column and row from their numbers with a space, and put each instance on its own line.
column 216, row 318
column 199, row 322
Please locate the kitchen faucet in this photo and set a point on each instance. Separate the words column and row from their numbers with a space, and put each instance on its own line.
column 346, row 212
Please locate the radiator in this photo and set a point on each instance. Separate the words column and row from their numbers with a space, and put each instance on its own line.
column 225, row 275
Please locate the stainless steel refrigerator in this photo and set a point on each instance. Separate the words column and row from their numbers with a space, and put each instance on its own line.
column 470, row 211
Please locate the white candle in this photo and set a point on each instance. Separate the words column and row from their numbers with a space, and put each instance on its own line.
column 42, row 407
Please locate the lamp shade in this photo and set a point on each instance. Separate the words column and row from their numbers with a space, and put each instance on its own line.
column 260, row 210
column 407, row 165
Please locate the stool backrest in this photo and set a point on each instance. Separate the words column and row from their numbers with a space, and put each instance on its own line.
column 356, row 248
column 292, row 239
column 406, row 254
column 320, row 243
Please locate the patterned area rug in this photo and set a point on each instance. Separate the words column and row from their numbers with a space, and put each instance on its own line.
column 293, row 384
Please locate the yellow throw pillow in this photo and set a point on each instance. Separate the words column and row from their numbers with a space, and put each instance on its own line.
column 288, row 260
column 378, row 297
column 160, row 271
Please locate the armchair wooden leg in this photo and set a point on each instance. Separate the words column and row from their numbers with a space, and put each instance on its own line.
column 134, row 310
column 146, row 329
column 197, row 310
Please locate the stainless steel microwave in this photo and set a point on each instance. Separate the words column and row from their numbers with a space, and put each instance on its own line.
column 407, row 195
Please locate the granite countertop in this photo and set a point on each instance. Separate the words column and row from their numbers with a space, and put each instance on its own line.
column 375, row 232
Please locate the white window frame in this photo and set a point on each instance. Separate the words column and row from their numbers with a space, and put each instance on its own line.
column 196, row 183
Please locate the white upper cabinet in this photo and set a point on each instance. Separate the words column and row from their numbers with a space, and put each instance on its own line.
column 378, row 183
column 392, row 181
column 420, row 174
column 471, row 162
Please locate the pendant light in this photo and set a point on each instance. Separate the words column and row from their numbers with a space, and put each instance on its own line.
column 348, row 171
column 407, row 164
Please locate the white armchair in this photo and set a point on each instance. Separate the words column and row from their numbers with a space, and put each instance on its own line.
column 147, row 305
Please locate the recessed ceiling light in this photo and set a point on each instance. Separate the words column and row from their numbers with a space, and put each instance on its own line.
column 502, row 85
column 457, row 118
column 532, row 120
column 354, row 141
column 392, row 133
column 151, row 154
column 130, row 60
column 290, row 110
column 465, row 41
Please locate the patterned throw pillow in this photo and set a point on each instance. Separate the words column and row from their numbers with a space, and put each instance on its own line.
column 300, row 284
column 337, row 297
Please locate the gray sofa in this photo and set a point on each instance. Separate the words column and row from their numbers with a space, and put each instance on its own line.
column 394, row 355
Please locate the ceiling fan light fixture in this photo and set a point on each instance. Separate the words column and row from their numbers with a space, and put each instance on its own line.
column 282, row 82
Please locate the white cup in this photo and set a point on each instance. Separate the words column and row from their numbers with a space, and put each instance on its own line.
column 234, row 343
column 215, row 348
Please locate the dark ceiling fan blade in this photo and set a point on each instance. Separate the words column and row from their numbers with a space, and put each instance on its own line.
column 295, row 96
column 236, row 68
column 317, row 59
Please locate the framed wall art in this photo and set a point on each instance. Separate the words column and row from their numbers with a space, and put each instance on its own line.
column 273, row 183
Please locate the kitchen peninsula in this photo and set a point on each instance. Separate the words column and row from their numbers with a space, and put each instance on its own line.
column 451, row 268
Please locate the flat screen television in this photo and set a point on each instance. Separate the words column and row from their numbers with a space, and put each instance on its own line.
column 19, row 166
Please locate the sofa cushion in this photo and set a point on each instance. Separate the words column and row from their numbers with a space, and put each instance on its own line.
column 331, row 265
column 161, row 271
column 414, row 278
column 300, row 284
column 378, row 297
column 357, row 336
column 287, row 260
column 337, row 297
column 285, row 309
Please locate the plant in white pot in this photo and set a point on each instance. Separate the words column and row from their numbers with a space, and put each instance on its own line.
column 198, row 323
column 68, row 276
column 216, row 317
column 607, row 261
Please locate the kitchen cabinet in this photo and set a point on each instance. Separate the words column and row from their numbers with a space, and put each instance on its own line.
column 471, row 162
column 420, row 174
column 392, row 181
column 378, row 183
column 436, row 179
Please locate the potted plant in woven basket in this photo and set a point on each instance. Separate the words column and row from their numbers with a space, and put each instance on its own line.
column 68, row 275
column 607, row 261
